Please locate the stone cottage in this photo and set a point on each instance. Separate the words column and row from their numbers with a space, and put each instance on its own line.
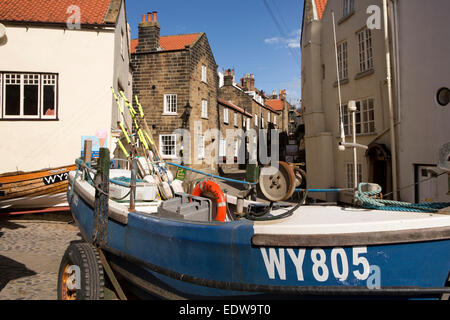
column 176, row 80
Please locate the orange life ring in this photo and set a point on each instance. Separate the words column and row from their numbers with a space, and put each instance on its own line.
column 211, row 189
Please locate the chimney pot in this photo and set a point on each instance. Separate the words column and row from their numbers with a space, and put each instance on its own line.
column 143, row 18
column 229, row 77
column 149, row 34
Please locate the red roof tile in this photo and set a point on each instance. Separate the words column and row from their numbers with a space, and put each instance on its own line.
column 233, row 106
column 320, row 6
column 275, row 104
column 175, row 42
column 53, row 11
column 178, row 41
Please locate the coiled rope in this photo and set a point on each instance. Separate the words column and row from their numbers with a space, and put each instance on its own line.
column 365, row 198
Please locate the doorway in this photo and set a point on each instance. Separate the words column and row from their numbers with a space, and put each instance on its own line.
column 379, row 158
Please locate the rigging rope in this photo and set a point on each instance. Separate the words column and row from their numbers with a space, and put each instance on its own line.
column 367, row 201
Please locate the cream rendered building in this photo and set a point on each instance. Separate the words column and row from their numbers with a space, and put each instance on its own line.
column 56, row 79
column 419, row 50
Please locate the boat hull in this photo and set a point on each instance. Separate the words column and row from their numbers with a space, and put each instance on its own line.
column 177, row 259
column 38, row 189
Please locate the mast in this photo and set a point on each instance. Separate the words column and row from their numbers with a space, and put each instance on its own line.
column 341, row 146
column 390, row 101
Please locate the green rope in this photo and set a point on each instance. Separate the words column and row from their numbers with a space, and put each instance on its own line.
column 364, row 197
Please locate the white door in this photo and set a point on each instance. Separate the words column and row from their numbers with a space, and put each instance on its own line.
column 428, row 186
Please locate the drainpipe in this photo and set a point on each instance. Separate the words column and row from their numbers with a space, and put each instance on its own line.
column 390, row 102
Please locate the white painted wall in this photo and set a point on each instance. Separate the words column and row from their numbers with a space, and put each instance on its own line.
column 422, row 126
column 122, row 69
column 424, row 69
column 84, row 61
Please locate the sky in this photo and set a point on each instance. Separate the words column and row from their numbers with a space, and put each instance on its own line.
column 261, row 37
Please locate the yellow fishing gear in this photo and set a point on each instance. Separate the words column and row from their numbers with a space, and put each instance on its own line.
column 125, row 133
column 149, row 139
column 142, row 138
column 123, row 148
column 117, row 100
column 128, row 104
column 141, row 110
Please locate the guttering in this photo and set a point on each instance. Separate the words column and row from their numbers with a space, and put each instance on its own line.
column 390, row 101
column 56, row 24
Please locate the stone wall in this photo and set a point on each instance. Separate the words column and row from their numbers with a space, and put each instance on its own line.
column 179, row 72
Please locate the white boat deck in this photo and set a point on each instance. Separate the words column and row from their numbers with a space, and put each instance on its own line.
column 310, row 220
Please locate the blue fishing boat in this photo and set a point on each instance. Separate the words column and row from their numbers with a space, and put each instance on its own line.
column 179, row 248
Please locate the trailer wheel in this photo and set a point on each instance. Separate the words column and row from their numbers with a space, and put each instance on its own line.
column 81, row 274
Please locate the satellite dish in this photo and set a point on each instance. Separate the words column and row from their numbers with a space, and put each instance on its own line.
column 2, row 31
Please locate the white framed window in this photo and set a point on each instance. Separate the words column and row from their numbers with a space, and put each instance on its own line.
column 168, row 145
column 28, row 96
column 350, row 174
column 244, row 122
column 48, row 98
column 256, row 120
column 201, row 147
column 205, row 109
column 365, row 50
column 365, row 117
column 342, row 60
column 248, row 123
column 348, row 7
column 235, row 119
column 204, row 78
column 274, row 119
column 170, row 104
column 262, row 122
column 268, row 116
column 225, row 115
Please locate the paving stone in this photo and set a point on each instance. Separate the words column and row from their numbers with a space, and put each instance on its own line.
column 31, row 248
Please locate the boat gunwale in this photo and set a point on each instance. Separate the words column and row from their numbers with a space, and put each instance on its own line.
column 19, row 176
column 115, row 210
column 353, row 239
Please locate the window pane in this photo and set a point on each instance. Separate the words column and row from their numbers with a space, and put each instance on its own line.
column 168, row 145
column 49, row 100
column 170, row 104
column 12, row 100
column 30, row 101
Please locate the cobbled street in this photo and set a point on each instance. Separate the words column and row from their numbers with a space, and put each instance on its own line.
column 31, row 248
